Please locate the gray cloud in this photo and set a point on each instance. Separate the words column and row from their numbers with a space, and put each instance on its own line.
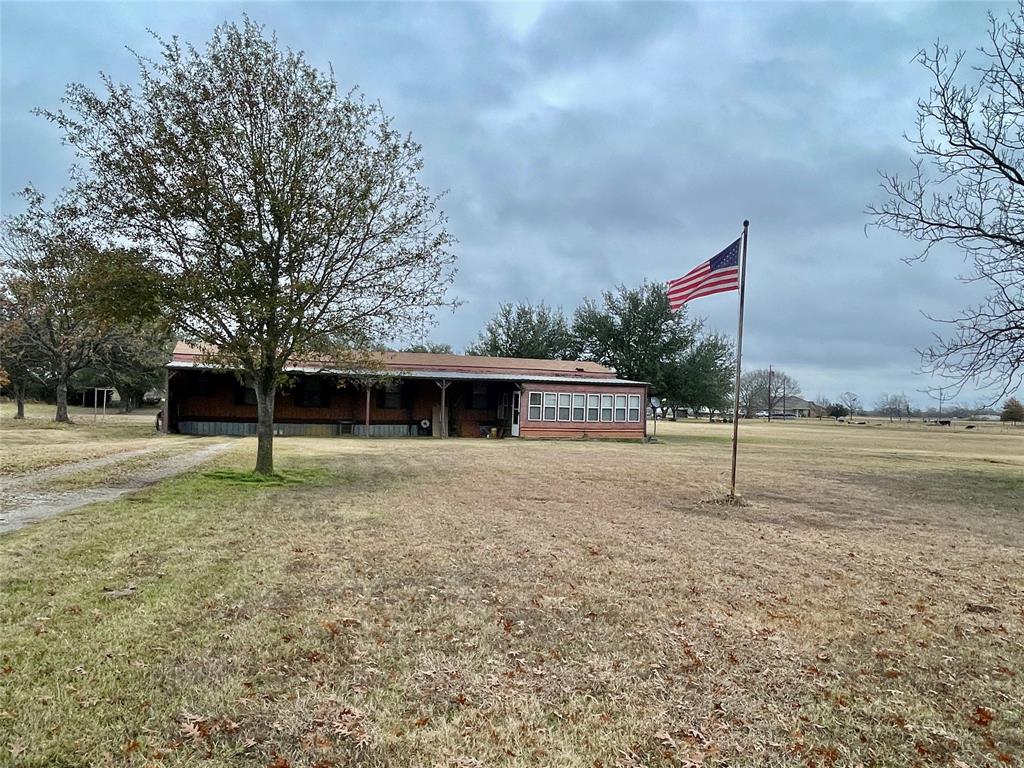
column 585, row 145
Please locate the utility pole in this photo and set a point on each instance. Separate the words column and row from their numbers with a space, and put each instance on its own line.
column 769, row 397
column 783, row 399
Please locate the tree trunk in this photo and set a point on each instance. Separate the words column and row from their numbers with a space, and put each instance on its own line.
column 19, row 399
column 62, row 403
column 265, row 391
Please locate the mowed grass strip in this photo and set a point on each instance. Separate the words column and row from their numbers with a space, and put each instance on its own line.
column 398, row 602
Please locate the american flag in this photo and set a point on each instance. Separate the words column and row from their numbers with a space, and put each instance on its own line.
column 716, row 275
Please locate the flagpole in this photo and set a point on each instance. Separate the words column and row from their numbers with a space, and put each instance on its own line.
column 739, row 358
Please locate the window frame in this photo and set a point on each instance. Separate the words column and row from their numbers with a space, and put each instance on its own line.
column 565, row 397
column 593, row 404
column 624, row 408
column 579, row 397
column 539, row 406
column 630, row 409
column 610, row 399
column 553, row 406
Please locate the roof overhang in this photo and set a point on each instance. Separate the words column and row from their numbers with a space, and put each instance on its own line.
column 426, row 374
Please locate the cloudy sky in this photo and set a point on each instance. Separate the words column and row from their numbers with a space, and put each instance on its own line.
column 586, row 145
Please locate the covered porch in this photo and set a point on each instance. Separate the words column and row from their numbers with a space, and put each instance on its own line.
column 206, row 402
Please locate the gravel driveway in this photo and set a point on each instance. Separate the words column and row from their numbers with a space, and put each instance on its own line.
column 23, row 501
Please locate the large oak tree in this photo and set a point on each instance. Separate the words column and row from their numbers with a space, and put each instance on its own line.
column 289, row 218
column 525, row 330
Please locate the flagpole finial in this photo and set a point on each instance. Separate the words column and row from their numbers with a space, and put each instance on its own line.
column 746, row 223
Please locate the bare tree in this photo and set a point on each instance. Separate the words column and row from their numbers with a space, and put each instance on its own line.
column 966, row 189
column 851, row 400
column 764, row 388
column 289, row 219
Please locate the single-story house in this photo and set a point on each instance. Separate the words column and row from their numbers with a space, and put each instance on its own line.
column 413, row 394
column 794, row 406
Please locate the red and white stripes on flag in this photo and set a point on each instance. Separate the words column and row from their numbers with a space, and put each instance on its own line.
column 716, row 275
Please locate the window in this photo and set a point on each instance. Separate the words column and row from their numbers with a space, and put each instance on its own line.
column 620, row 407
column 478, row 401
column 634, row 407
column 392, row 395
column 579, row 407
column 312, row 392
column 534, row 412
column 564, row 406
column 606, row 407
column 593, row 407
column 550, row 403
column 245, row 395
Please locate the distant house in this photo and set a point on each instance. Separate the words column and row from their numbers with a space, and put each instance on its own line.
column 795, row 406
column 413, row 394
column 790, row 407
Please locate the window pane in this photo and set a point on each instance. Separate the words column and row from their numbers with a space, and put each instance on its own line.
column 620, row 407
column 478, row 402
column 564, row 403
column 550, row 402
column 634, row 407
column 535, row 398
column 606, row 407
column 579, row 407
column 593, row 407
column 534, row 413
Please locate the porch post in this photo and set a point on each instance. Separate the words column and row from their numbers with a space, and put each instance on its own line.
column 165, row 427
column 367, row 410
column 443, row 384
column 444, row 412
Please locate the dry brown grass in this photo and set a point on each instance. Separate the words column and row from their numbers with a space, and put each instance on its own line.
column 521, row 603
column 37, row 443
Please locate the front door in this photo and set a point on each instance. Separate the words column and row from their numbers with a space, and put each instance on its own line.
column 515, row 414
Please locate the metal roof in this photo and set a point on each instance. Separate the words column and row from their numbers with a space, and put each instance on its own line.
column 433, row 374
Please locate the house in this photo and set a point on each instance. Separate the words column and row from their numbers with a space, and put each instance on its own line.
column 792, row 406
column 413, row 394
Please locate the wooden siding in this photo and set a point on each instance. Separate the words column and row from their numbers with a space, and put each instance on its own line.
column 621, row 430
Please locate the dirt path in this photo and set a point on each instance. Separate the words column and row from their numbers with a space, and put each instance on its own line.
column 24, row 504
column 35, row 477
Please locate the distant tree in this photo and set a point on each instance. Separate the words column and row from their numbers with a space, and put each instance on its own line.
column 289, row 220
column 524, row 330
column 838, row 410
column 765, row 389
column 751, row 393
column 708, row 368
column 966, row 189
column 431, row 347
column 64, row 295
column 133, row 361
column 894, row 406
column 851, row 400
column 1013, row 411
column 635, row 331
column 15, row 355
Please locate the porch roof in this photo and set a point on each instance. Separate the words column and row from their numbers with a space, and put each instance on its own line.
column 423, row 365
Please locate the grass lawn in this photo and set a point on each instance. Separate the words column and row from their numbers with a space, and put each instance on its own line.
column 37, row 442
column 477, row 602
